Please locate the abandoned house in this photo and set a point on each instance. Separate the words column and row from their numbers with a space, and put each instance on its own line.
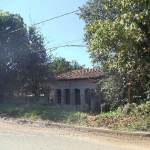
column 74, row 87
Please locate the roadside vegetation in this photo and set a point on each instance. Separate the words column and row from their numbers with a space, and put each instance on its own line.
column 118, row 37
column 42, row 114
column 136, row 119
column 133, row 117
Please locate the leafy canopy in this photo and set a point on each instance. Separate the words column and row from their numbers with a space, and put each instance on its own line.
column 118, row 34
column 61, row 65
column 22, row 55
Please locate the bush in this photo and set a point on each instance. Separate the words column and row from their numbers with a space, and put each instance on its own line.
column 143, row 109
column 105, row 107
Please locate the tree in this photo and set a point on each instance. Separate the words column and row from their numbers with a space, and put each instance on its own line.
column 119, row 37
column 74, row 65
column 8, row 49
column 93, row 11
column 22, row 55
column 36, row 62
column 61, row 65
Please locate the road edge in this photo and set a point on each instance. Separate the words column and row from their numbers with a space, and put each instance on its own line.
column 101, row 130
column 79, row 128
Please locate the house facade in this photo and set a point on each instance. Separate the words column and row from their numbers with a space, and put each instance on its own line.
column 74, row 87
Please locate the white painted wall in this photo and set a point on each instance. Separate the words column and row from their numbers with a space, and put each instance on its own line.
column 70, row 84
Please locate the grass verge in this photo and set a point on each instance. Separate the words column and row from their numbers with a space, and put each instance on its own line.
column 137, row 120
column 45, row 114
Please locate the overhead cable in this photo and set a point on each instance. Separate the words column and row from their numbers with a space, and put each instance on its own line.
column 56, row 17
column 68, row 42
column 59, row 45
column 55, row 48
column 41, row 22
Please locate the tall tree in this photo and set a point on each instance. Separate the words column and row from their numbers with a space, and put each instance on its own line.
column 36, row 61
column 61, row 65
column 22, row 55
column 119, row 38
column 9, row 49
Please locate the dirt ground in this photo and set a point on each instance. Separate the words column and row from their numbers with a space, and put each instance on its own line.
column 36, row 130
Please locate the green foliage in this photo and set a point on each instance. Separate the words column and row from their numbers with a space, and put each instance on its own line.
column 9, row 49
column 143, row 109
column 39, row 113
column 61, row 65
column 118, row 34
column 137, row 120
column 112, row 90
column 22, row 55
column 115, row 113
column 140, row 115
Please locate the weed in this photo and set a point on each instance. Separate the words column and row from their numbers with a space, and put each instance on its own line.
column 137, row 120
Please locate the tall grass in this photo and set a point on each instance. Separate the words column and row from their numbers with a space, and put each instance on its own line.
column 137, row 120
column 46, row 114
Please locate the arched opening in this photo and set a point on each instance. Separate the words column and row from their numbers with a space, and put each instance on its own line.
column 58, row 96
column 77, row 97
column 67, row 96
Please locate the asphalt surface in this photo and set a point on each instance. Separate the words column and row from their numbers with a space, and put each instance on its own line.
column 26, row 137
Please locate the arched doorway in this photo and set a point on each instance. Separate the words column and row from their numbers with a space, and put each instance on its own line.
column 77, row 97
column 58, row 96
column 67, row 96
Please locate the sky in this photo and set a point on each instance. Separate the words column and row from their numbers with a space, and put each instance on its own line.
column 66, row 30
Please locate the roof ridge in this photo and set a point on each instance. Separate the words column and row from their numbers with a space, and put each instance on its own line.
column 80, row 74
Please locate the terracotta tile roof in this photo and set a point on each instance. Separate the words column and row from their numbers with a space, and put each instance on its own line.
column 80, row 74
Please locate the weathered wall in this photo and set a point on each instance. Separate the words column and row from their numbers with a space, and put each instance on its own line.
column 70, row 84
column 28, row 100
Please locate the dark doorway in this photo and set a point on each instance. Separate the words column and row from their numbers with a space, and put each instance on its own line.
column 77, row 97
column 58, row 92
column 67, row 96
column 87, row 95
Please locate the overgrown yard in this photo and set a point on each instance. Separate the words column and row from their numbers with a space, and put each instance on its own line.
column 42, row 113
column 137, row 120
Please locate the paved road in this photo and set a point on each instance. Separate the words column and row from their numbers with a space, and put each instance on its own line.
column 25, row 137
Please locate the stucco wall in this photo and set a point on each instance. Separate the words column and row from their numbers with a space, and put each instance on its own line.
column 71, row 85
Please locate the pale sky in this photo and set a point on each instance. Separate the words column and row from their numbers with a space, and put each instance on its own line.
column 58, row 31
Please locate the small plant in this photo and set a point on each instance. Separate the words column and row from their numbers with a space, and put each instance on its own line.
column 137, row 120
column 116, row 113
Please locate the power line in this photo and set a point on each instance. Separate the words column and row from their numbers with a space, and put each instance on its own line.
column 55, row 48
column 59, row 44
column 65, row 44
column 56, row 17
column 41, row 22
column 62, row 44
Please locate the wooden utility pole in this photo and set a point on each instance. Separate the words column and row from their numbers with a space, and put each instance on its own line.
column 130, row 94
